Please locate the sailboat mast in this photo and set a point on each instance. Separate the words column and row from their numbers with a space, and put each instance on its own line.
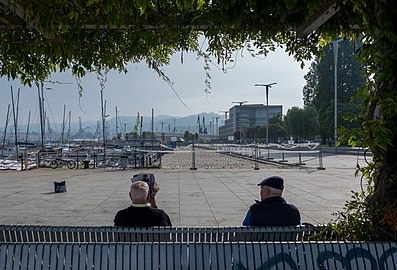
column 27, row 129
column 5, row 130
column 15, row 115
column 117, row 127
column 70, row 117
column 63, row 125
column 103, row 126
column 41, row 108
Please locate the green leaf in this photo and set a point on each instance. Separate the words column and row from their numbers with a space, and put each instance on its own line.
column 142, row 4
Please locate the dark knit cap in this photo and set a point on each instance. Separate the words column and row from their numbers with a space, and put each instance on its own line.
column 273, row 181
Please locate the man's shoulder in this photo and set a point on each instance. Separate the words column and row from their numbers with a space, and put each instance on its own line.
column 268, row 201
column 158, row 211
column 273, row 201
column 142, row 217
column 124, row 211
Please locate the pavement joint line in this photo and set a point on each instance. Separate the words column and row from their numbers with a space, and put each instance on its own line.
column 206, row 199
column 234, row 193
column 8, row 195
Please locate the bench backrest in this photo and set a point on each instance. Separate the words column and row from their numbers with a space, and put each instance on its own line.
column 242, row 255
column 36, row 233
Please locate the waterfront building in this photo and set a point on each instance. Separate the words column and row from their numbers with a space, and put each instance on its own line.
column 247, row 116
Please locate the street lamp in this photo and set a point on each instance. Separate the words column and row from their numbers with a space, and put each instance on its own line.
column 267, row 112
column 335, row 47
column 162, row 132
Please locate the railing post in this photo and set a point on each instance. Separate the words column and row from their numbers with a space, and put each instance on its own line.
column 283, row 155
column 320, row 158
column 256, row 157
column 193, row 158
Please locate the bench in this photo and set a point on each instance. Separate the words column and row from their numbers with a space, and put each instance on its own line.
column 240, row 255
column 92, row 234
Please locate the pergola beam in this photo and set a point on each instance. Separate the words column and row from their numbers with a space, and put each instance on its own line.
column 328, row 10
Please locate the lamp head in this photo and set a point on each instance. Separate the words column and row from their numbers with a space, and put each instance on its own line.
column 266, row 85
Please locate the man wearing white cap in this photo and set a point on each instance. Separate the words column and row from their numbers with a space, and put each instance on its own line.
column 272, row 209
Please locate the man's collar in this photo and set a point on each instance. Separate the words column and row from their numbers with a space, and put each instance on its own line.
column 140, row 205
column 272, row 199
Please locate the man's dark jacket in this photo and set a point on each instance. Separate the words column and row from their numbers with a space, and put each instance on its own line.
column 272, row 211
column 142, row 217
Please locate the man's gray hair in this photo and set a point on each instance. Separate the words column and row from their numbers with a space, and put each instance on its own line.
column 139, row 190
column 274, row 192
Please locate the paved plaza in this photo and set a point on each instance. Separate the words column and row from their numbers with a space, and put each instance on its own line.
column 203, row 197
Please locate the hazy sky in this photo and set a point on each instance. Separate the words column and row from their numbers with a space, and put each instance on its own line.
column 141, row 89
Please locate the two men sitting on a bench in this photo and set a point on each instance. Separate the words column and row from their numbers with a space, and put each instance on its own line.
column 272, row 209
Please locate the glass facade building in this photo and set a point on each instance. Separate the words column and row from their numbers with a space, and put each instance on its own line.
column 244, row 117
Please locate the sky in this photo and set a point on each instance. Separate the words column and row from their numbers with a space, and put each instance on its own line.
column 141, row 89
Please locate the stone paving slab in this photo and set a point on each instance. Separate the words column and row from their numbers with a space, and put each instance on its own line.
column 205, row 197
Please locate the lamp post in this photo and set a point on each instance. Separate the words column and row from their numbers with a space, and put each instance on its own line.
column 162, row 132
column 335, row 47
column 216, row 127
column 267, row 86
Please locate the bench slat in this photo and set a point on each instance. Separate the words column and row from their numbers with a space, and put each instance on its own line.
column 126, row 256
column 32, row 252
column 293, row 253
column 310, row 261
column 389, row 257
column 228, row 255
column 39, row 252
column 155, row 256
column 53, row 256
column 46, row 256
column 61, row 256
column 16, row 257
column 238, row 263
column 104, row 256
column 119, row 257
column 250, row 256
column 206, row 256
column 170, row 257
column 111, row 262
column 194, row 256
column 25, row 257
column 134, row 256
column 147, row 256
column 75, row 256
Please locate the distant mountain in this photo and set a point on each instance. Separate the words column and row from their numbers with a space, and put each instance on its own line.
column 165, row 123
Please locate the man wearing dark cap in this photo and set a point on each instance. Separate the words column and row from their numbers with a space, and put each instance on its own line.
column 272, row 209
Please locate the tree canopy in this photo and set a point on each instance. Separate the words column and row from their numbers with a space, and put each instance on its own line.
column 38, row 37
column 319, row 92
